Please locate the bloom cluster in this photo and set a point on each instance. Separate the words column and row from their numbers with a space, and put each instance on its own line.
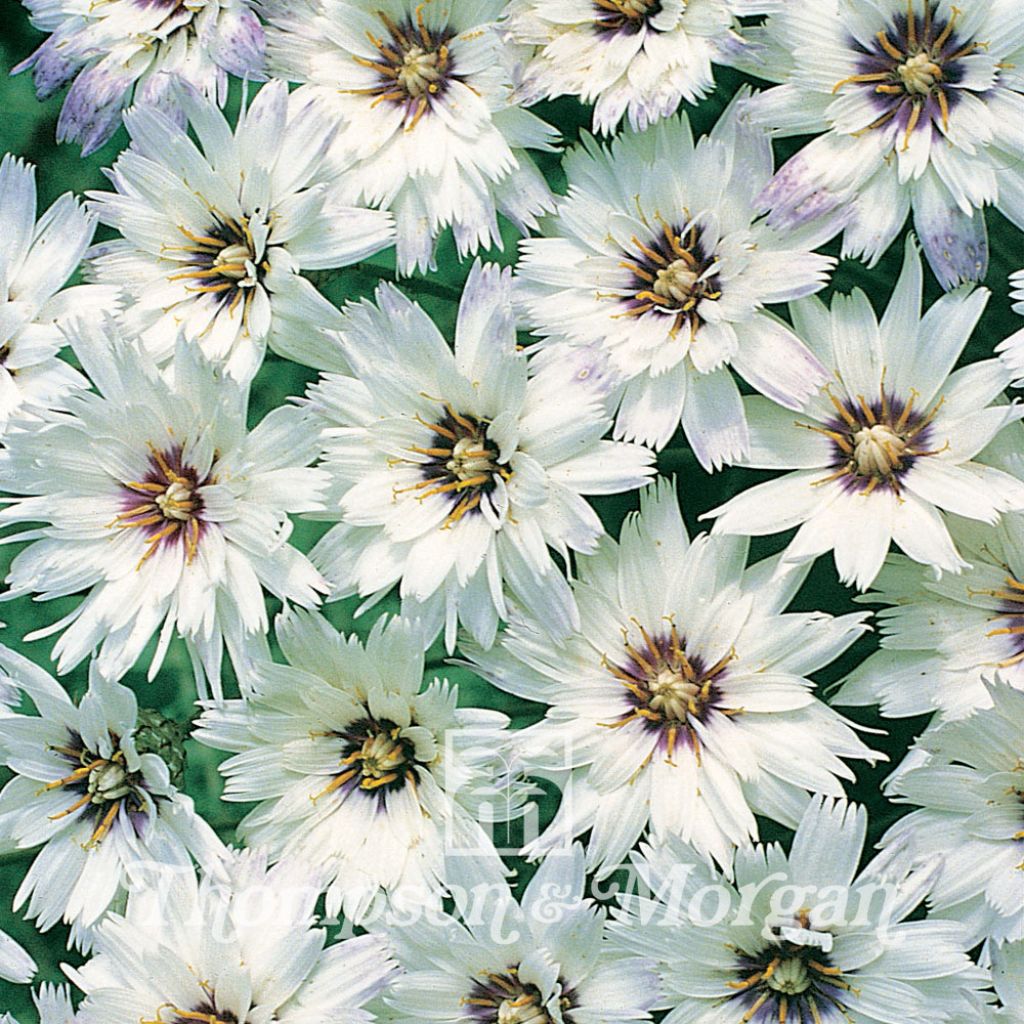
column 518, row 744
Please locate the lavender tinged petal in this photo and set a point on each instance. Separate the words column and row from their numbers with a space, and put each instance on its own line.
column 92, row 108
column 50, row 69
column 956, row 245
column 237, row 44
column 795, row 196
column 157, row 91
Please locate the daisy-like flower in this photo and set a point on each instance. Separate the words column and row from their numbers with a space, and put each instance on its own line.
column 36, row 260
column 805, row 937
column 656, row 254
column 188, row 952
column 428, row 127
column 96, row 787
column 357, row 767
column 123, row 48
column 163, row 508
column 1011, row 351
column 215, row 238
column 641, row 58
column 543, row 960
column 967, row 776
column 917, row 105
column 681, row 700
column 889, row 444
column 453, row 472
column 15, row 964
column 1008, row 975
column 943, row 638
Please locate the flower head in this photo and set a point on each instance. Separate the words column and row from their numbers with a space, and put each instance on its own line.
column 91, row 788
column 889, row 444
column 641, row 58
column 215, row 236
column 967, row 776
column 678, row 704
column 657, row 255
column 455, row 471
column 943, row 638
column 356, row 766
column 36, row 260
column 244, row 952
column 916, row 104
column 120, row 49
column 163, row 508
column 427, row 125
column 804, row 937
column 541, row 960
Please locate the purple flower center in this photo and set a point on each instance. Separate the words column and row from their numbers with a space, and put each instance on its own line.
column 626, row 16
column 413, row 63
column 203, row 1013
column 789, row 983
column 667, row 689
column 672, row 272
column 458, row 461
column 912, row 69
column 166, row 504
column 875, row 444
column 375, row 758
column 501, row 998
column 1012, row 609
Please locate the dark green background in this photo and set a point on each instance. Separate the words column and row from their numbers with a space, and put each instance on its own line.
column 27, row 128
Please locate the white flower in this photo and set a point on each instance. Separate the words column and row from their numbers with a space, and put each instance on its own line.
column 1011, row 351
column 53, row 1004
column 803, row 937
column 889, row 444
column 215, row 237
column 655, row 255
column 543, row 960
column 355, row 766
column 683, row 705
column 918, row 113
column 244, row 953
column 641, row 58
column 968, row 778
column 455, row 473
column 942, row 638
column 36, row 260
column 1008, row 974
column 95, row 786
column 122, row 48
column 161, row 506
column 15, row 964
column 427, row 124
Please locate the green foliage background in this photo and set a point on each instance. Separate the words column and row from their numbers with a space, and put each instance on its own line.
column 27, row 128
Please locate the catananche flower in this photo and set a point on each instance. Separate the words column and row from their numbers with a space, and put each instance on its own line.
column 1011, row 351
column 163, row 508
column 917, row 105
column 804, row 937
column 15, row 964
column 679, row 704
column 122, row 48
column 543, row 960
column 967, row 776
column 96, row 787
column 641, row 58
column 942, row 638
column 356, row 767
column 242, row 953
column 453, row 472
column 36, row 260
column 656, row 254
column 215, row 239
column 421, row 93
column 1008, row 975
column 889, row 444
